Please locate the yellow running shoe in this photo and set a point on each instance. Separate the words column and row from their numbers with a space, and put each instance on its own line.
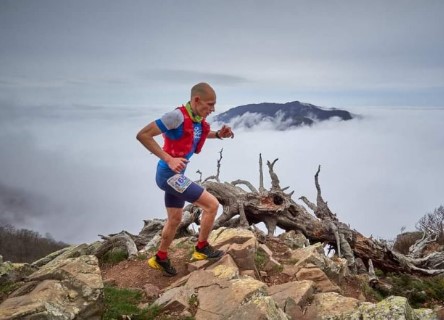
column 207, row 252
column 163, row 265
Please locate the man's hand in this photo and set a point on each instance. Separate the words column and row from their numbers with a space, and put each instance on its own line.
column 177, row 164
column 225, row 132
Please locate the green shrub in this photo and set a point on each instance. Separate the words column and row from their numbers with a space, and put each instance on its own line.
column 434, row 287
column 142, row 256
column 120, row 302
column 260, row 259
column 7, row 288
column 193, row 302
column 114, row 256
column 379, row 273
column 370, row 292
column 420, row 292
column 278, row 268
column 184, row 245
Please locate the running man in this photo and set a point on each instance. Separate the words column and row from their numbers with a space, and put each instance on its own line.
column 184, row 131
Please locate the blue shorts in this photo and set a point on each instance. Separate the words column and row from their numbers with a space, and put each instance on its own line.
column 178, row 188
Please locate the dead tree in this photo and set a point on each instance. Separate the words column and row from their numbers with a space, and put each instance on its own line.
column 245, row 206
column 339, row 230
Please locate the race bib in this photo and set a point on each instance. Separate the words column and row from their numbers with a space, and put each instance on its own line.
column 179, row 182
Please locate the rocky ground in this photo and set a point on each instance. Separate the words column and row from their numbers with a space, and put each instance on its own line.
column 258, row 278
column 137, row 274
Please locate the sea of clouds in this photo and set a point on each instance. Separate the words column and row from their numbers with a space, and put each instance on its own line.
column 78, row 172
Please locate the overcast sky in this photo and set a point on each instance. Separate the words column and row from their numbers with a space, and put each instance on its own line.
column 78, row 79
column 148, row 53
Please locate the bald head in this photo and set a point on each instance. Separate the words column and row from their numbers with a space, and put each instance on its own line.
column 203, row 90
column 203, row 99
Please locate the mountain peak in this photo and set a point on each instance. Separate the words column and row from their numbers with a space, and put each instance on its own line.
column 283, row 116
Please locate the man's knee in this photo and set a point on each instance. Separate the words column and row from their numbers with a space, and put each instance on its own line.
column 174, row 221
column 174, row 216
column 208, row 203
column 214, row 205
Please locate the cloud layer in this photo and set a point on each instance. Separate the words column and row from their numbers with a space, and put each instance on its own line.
column 86, row 174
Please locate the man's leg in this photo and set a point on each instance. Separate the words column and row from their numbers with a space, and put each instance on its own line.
column 209, row 204
column 160, row 259
column 170, row 227
column 195, row 194
column 179, row 189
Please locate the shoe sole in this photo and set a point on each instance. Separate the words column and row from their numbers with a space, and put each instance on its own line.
column 152, row 263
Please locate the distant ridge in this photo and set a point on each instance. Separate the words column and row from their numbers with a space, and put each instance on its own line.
column 282, row 115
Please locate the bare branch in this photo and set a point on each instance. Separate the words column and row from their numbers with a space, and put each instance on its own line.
column 271, row 225
column 216, row 177
column 218, row 164
column 245, row 182
column 323, row 211
column 261, row 175
column 318, row 187
column 273, row 176
column 153, row 243
column 200, row 175
column 309, row 204
column 211, row 178
column 415, row 250
column 243, row 219
column 122, row 240
column 191, row 214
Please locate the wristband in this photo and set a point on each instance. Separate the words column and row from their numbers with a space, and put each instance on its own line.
column 217, row 135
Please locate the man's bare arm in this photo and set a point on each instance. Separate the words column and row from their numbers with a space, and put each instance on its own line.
column 224, row 132
column 146, row 137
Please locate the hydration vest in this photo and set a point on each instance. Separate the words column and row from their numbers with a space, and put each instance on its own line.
column 182, row 146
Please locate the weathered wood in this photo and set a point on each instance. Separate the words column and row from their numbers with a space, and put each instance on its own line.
column 121, row 240
column 216, row 177
column 261, row 175
column 274, row 178
column 191, row 214
column 416, row 250
column 372, row 275
column 246, row 208
column 276, row 209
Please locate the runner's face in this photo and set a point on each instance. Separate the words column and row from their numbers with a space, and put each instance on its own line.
column 206, row 105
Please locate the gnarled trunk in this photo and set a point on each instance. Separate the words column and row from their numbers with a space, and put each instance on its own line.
column 245, row 207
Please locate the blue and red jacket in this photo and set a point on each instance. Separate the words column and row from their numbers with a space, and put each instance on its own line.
column 183, row 146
